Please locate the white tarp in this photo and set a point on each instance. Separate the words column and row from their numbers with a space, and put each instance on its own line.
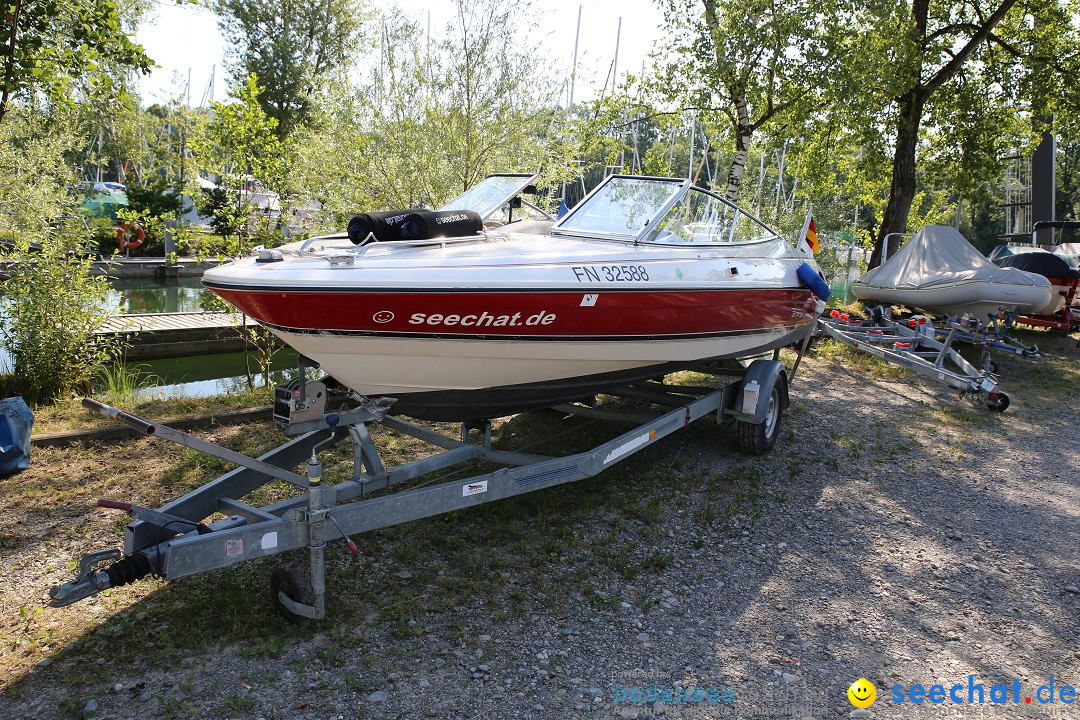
column 939, row 255
column 1071, row 253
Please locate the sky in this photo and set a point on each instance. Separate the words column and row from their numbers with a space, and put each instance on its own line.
column 185, row 39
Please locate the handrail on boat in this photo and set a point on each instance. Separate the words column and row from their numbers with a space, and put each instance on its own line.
column 372, row 240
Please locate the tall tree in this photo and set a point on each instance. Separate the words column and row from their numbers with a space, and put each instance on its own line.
column 47, row 44
column 960, row 74
column 747, row 60
column 292, row 46
column 491, row 86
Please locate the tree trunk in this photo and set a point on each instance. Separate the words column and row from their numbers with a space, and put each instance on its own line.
column 10, row 60
column 743, row 132
column 902, row 192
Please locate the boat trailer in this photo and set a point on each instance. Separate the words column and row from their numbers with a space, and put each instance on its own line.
column 180, row 539
column 914, row 344
column 993, row 334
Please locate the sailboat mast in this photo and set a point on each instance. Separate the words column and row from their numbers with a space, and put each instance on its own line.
column 563, row 206
column 573, row 71
column 693, row 130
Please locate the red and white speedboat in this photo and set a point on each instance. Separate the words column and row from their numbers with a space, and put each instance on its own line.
column 644, row 276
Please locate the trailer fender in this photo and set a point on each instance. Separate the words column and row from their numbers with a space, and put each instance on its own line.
column 759, row 380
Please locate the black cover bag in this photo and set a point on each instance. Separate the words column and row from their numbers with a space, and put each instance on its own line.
column 386, row 226
column 428, row 224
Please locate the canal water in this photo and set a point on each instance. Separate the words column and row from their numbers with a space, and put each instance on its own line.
column 197, row 376
column 144, row 295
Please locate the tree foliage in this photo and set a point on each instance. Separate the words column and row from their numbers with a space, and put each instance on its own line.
column 750, row 62
column 49, row 44
column 943, row 90
column 897, row 111
column 433, row 117
column 293, row 47
column 239, row 147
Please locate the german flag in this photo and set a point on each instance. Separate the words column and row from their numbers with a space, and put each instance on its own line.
column 811, row 236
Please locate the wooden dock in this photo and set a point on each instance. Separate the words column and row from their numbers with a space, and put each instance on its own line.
column 163, row 335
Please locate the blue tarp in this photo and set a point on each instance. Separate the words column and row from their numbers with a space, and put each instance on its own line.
column 16, row 421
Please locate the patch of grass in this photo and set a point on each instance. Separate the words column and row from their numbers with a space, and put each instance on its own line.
column 125, row 383
column 863, row 363
column 705, row 515
column 238, row 703
column 658, row 561
column 69, row 414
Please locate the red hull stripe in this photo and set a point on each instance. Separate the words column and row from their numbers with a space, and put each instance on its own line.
column 554, row 314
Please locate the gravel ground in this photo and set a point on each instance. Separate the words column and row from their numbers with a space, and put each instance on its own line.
column 895, row 533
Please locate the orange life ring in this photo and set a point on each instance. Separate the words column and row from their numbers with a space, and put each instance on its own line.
column 121, row 237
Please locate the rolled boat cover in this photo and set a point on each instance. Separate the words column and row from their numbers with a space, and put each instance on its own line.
column 385, row 226
column 939, row 255
column 16, row 422
column 428, row 224
column 1043, row 263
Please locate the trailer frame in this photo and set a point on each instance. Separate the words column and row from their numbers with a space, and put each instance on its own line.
column 916, row 347
column 177, row 539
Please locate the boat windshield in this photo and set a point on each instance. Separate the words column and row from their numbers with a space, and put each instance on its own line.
column 622, row 206
column 701, row 218
column 490, row 194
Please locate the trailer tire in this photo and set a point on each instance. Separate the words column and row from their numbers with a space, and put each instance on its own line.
column 1001, row 404
column 759, row 438
column 295, row 582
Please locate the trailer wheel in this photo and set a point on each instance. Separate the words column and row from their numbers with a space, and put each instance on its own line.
column 295, row 582
column 758, row 438
column 998, row 404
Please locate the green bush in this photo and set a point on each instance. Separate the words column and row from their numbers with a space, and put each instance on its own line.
column 52, row 307
column 226, row 218
column 102, row 236
column 150, row 205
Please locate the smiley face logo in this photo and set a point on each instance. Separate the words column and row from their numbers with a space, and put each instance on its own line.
column 383, row 316
column 862, row 693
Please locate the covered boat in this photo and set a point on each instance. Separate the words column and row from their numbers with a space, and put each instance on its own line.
column 645, row 276
column 941, row 273
column 1071, row 253
column 1055, row 268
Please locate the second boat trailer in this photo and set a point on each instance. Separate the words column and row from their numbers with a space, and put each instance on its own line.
column 180, row 538
column 914, row 344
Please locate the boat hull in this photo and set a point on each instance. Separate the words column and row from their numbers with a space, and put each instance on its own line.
column 1060, row 288
column 977, row 299
column 461, row 379
column 479, row 354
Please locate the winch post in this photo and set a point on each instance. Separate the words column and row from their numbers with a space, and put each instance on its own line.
column 317, row 513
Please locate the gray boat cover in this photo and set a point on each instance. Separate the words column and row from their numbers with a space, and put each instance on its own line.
column 939, row 255
column 1071, row 253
